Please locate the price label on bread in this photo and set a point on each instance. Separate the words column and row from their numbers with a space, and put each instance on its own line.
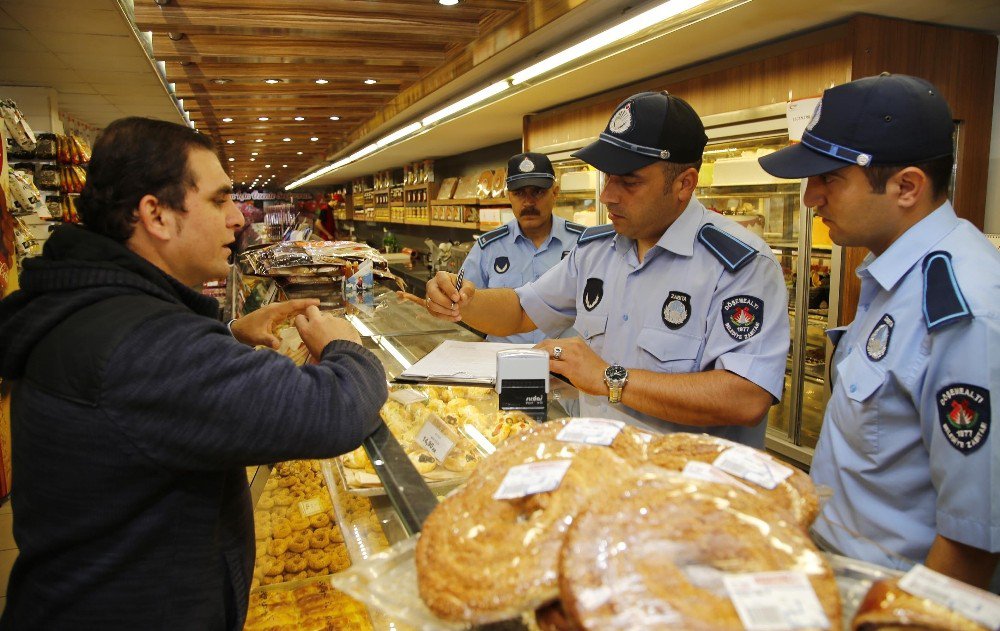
column 704, row 471
column 591, row 431
column 432, row 438
column 532, row 478
column 973, row 603
column 752, row 466
column 775, row 601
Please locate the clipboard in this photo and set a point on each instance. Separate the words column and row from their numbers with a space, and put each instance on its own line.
column 459, row 362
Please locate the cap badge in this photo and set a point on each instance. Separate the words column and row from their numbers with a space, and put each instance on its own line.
column 621, row 122
column 863, row 159
column 526, row 166
column 815, row 116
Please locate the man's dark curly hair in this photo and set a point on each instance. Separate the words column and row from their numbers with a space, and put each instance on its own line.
column 134, row 157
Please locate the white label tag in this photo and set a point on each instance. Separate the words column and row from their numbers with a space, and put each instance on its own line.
column 775, row 601
column 703, row 471
column 407, row 396
column 531, row 478
column 591, row 431
column 752, row 467
column 308, row 508
column 434, row 440
column 973, row 603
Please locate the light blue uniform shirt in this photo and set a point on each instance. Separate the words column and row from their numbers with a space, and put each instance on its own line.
column 512, row 260
column 680, row 310
column 906, row 443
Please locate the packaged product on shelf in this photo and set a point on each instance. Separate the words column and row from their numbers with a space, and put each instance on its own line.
column 47, row 147
column 49, row 178
column 295, row 526
column 17, row 128
column 23, row 194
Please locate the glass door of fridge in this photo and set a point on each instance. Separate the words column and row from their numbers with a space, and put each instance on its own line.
column 732, row 183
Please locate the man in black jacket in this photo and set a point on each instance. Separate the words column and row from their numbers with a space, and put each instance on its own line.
column 135, row 411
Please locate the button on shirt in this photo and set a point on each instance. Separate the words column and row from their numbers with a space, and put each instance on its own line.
column 513, row 260
column 898, row 479
column 677, row 311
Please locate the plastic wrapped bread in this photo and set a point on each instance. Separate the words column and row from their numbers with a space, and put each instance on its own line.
column 889, row 606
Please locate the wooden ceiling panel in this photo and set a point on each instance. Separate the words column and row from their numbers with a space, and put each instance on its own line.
column 218, row 54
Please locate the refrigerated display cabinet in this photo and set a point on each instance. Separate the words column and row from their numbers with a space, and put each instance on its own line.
column 732, row 183
column 579, row 185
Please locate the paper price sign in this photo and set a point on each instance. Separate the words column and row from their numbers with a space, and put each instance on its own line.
column 972, row 602
column 775, row 601
column 532, row 478
column 591, row 431
column 752, row 467
column 308, row 508
column 433, row 440
column 407, row 396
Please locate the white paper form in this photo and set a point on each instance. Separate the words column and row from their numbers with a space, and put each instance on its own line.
column 465, row 362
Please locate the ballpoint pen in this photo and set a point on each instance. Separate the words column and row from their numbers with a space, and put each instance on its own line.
column 458, row 283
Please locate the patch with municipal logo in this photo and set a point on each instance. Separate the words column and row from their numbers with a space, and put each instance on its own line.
column 964, row 415
column 878, row 340
column 526, row 166
column 742, row 316
column 815, row 117
column 676, row 310
column 621, row 122
column 592, row 293
column 501, row 264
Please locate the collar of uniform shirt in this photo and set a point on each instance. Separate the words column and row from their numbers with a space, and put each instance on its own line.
column 911, row 247
column 679, row 238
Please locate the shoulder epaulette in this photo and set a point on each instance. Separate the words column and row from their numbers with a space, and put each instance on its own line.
column 493, row 235
column 574, row 227
column 595, row 232
column 732, row 252
column 943, row 299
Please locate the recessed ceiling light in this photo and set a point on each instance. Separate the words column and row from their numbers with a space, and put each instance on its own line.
column 227, row 120
column 267, row 166
column 314, row 139
column 300, row 118
column 220, row 81
column 448, row 3
column 272, row 81
column 284, row 166
column 259, row 140
column 335, row 118
column 253, row 159
column 298, row 153
column 263, row 119
column 232, row 159
column 370, row 81
column 253, row 153
column 230, row 142
column 286, row 140
column 322, row 81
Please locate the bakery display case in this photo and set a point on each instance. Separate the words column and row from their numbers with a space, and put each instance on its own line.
column 579, row 186
column 732, row 183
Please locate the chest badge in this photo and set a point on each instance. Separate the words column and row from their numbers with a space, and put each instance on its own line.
column 878, row 340
column 742, row 317
column 501, row 264
column 593, row 292
column 676, row 310
column 964, row 415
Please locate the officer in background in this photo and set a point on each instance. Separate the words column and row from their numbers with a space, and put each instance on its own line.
column 906, row 442
column 682, row 312
column 520, row 251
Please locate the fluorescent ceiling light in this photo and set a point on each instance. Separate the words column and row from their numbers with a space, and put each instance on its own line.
column 627, row 28
column 399, row 133
column 467, row 102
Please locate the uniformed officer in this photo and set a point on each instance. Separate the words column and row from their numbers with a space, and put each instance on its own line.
column 525, row 248
column 905, row 442
column 682, row 312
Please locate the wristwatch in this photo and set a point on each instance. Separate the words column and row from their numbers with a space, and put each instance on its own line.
column 615, row 377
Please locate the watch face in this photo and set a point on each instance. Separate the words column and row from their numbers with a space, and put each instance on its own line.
column 615, row 373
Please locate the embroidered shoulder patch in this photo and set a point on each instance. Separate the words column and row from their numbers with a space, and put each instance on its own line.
column 943, row 299
column 964, row 415
column 742, row 317
column 493, row 235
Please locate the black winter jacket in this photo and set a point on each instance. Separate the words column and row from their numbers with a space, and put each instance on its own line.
column 134, row 413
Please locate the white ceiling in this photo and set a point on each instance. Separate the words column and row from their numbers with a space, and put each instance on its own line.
column 89, row 53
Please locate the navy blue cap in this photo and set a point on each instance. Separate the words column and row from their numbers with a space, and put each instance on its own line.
column 647, row 127
column 529, row 169
column 891, row 119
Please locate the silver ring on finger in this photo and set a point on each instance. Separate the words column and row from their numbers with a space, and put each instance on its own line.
column 557, row 352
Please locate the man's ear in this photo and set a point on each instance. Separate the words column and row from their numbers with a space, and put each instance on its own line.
column 910, row 185
column 154, row 219
column 685, row 183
